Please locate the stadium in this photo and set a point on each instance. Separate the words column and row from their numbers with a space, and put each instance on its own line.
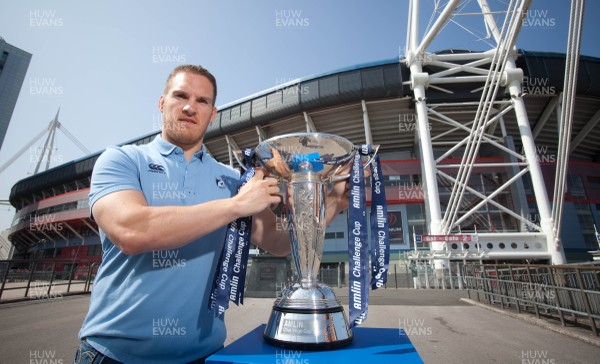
column 374, row 103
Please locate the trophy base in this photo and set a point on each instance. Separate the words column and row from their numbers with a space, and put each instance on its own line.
column 301, row 324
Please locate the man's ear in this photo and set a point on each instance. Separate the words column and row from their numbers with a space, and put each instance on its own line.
column 213, row 115
column 161, row 102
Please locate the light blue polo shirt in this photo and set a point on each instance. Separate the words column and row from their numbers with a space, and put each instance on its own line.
column 153, row 307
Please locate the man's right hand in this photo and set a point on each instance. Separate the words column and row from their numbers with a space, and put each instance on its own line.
column 257, row 194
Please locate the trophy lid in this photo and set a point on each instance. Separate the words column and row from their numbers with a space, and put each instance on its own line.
column 305, row 152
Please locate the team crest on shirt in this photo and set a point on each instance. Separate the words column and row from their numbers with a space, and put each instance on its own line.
column 156, row 168
column 220, row 182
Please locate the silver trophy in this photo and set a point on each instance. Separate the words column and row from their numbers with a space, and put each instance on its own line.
column 307, row 315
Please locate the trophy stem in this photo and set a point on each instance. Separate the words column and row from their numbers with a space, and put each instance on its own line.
column 308, row 282
column 307, row 215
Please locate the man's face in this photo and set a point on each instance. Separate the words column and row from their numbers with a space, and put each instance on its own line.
column 187, row 109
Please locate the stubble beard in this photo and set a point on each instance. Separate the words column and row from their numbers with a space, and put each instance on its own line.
column 182, row 137
column 181, row 134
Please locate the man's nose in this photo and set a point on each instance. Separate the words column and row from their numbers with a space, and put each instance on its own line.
column 189, row 110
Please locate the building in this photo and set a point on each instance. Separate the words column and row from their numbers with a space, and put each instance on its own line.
column 13, row 67
column 373, row 102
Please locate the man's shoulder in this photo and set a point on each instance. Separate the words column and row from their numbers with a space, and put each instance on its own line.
column 128, row 149
column 132, row 151
column 120, row 158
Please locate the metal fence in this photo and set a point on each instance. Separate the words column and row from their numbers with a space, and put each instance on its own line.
column 399, row 276
column 40, row 279
column 568, row 293
column 426, row 276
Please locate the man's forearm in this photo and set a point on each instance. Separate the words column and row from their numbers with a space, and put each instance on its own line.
column 269, row 235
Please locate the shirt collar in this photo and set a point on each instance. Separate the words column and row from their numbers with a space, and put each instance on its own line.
column 199, row 154
column 165, row 148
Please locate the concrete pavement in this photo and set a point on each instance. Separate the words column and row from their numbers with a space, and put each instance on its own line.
column 443, row 327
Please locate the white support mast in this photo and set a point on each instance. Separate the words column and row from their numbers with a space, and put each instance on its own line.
column 490, row 72
column 419, row 81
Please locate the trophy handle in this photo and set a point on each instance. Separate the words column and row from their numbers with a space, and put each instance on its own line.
column 339, row 177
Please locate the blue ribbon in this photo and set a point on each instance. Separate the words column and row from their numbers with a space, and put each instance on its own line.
column 231, row 275
column 357, row 236
column 380, row 234
column 357, row 245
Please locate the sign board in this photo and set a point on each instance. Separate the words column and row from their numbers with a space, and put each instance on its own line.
column 395, row 227
column 451, row 238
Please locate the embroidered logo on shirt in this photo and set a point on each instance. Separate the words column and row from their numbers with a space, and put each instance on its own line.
column 156, row 168
column 220, row 182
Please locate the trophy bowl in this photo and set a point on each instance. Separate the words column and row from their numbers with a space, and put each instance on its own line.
column 307, row 315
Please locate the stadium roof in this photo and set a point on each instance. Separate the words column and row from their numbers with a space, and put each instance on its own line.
column 333, row 103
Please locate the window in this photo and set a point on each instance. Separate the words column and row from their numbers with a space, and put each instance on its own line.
column 334, row 235
column 94, row 250
column 415, row 214
column 576, row 186
column 527, row 185
column 406, row 181
column 594, row 182
column 81, row 204
column 586, row 223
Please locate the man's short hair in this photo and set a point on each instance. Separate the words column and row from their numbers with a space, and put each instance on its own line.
column 195, row 69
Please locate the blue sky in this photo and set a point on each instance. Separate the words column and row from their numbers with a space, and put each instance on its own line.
column 104, row 63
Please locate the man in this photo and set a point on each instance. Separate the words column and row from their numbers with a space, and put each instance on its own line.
column 414, row 269
column 162, row 209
